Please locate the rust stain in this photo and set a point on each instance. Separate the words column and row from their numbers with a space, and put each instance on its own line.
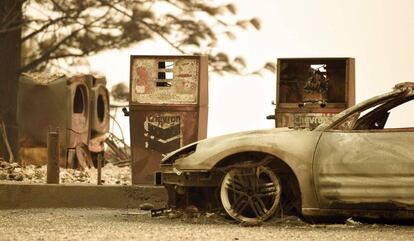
column 142, row 80
column 142, row 75
column 184, row 75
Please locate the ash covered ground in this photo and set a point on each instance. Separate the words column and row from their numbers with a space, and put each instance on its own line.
column 13, row 172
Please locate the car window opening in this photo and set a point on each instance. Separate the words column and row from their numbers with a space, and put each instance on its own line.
column 376, row 117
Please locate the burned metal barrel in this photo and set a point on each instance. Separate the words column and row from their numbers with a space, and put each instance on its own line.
column 312, row 90
column 58, row 101
column 168, row 108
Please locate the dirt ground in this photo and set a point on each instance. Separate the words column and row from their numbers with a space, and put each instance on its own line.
column 115, row 224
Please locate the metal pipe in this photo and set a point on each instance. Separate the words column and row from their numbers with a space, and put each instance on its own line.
column 99, row 169
column 53, row 157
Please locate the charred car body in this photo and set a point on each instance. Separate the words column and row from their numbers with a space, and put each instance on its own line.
column 350, row 165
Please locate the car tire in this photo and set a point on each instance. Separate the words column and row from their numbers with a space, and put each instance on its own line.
column 251, row 195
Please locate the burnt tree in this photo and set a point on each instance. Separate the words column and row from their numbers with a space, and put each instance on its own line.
column 10, row 51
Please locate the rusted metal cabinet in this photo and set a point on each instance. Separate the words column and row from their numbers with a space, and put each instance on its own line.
column 53, row 101
column 99, row 103
column 168, row 108
column 311, row 90
column 99, row 114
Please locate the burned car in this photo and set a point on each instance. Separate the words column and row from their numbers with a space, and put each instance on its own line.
column 351, row 165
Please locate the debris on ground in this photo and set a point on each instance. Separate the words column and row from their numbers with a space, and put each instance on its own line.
column 37, row 174
column 251, row 223
column 11, row 171
column 174, row 215
column 139, row 212
column 352, row 222
column 160, row 212
column 146, row 206
column 191, row 215
column 191, row 209
column 209, row 215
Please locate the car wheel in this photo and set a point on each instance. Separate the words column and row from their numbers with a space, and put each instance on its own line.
column 250, row 194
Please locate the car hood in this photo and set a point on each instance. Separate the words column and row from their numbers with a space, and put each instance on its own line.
column 245, row 135
column 205, row 154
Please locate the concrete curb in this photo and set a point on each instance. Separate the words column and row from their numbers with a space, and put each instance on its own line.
column 79, row 195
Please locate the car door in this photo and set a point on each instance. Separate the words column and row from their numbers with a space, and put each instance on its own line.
column 366, row 167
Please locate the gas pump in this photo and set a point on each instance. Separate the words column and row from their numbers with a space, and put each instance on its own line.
column 168, row 108
column 312, row 90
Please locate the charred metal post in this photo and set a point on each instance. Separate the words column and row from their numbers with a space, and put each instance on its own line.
column 53, row 157
column 99, row 178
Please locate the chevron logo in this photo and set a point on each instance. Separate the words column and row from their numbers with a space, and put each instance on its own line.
column 163, row 133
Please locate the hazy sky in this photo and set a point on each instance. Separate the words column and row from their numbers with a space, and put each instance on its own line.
column 379, row 34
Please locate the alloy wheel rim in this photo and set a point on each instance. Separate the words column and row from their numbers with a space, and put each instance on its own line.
column 250, row 194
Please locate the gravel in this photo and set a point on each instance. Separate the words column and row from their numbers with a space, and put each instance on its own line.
column 13, row 172
column 115, row 224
